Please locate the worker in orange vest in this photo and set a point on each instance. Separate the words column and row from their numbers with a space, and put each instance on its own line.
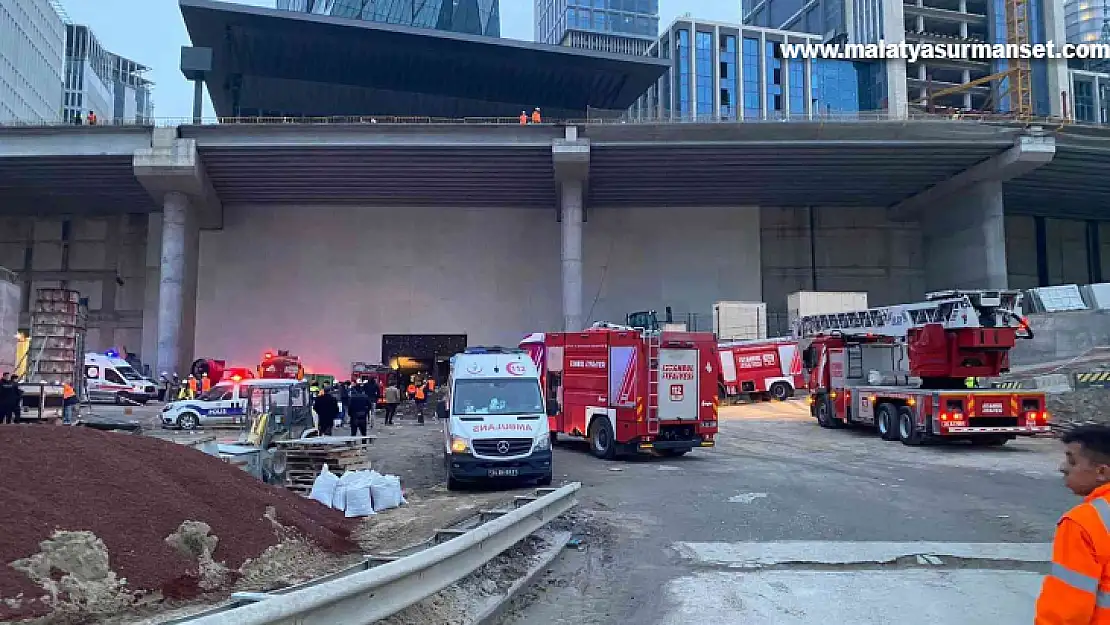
column 536, row 116
column 421, row 398
column 69, row 400
column 91, row 119
column 192, row 386
column 205, row 383
column 1077, row 589
column 523, row 118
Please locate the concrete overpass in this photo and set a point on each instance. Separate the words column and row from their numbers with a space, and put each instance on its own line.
column 287, row 221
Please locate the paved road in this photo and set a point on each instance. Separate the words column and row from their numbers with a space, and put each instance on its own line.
column 892, row 532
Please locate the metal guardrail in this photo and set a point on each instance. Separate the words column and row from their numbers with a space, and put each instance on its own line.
column 382, row 586
column 855, row 117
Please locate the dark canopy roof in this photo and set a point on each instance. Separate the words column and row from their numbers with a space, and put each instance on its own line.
column 271, row 62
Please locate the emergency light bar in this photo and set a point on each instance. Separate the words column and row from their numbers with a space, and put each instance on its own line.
column 493, row 349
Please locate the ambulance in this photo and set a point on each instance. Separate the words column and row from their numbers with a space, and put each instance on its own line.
column 111, row 378
column 495, row 418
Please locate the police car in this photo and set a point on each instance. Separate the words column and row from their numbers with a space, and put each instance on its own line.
column 223, row 404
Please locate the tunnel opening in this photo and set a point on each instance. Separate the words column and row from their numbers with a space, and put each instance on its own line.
column 409, row 354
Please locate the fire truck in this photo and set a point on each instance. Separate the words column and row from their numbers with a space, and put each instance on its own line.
column 760, row 368
column 281, row 365
column 630, row 389
column 904, row 369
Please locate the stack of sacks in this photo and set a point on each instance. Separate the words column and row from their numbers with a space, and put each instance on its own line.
column 358, row 493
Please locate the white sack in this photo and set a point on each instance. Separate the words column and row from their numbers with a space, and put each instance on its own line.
column 323, row 489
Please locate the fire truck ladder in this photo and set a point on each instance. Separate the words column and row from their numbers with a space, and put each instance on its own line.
column 653, row 345
column 953, row 309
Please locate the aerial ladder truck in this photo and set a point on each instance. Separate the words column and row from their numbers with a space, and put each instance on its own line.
column 908, row 370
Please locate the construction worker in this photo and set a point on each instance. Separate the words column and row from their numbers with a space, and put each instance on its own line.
column 420, row 396
column 91, row 118
column 1077, row 589
column 192, row 386
column 69, row 400
column 536, row 116
column 205, row 384
column 326, row 407
column 523, row 118
column 971, row 382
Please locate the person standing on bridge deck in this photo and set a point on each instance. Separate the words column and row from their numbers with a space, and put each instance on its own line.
column 536, row 118
column 91, row 119
column 1077, row 589
column 523, row 118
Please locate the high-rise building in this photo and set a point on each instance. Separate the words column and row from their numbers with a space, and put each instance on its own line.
column 1084, row 20
column 618, row 26
column 102, row 82
column 730, row 71
column 32, row 40
column 474, row 17
column 937, row 22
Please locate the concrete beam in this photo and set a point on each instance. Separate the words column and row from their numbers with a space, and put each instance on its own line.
column 372, row 135
column 1028, row 153
column 63, row 141
column 172, row 165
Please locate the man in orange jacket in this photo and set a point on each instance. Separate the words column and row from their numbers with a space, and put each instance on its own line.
column 1077, row 590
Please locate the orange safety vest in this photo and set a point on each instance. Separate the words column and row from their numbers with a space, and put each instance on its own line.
column 193, row 384
column 523, row 119
column 92, row 119
column 535, row 117
column 67, row 391
column 1077, row 590
column 411, row 390
column 420, row 392
column 206, row 384
column 431, row 385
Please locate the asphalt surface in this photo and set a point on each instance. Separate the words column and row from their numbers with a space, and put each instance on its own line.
column 710, row 536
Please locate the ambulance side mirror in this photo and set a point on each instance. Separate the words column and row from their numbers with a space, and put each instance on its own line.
column 552, row 408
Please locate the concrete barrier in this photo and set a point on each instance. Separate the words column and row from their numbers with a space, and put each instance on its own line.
column 1092, row 379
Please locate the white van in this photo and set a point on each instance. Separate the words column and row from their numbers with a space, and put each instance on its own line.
column 109, row 378
column 495, row 421
column 224, row 404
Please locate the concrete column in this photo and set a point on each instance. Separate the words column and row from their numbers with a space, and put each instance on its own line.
column 893, row 29
column 171, row 289
column 965, row 240
column 571, row 257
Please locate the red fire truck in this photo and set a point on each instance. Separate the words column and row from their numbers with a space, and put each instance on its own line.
column 905, row 369
column 281, row 365
column 630, row 390
column 761, row 368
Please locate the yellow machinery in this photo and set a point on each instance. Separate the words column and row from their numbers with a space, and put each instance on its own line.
column 1019, row 72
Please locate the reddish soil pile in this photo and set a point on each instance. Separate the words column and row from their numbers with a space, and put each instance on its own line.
column 133, row 492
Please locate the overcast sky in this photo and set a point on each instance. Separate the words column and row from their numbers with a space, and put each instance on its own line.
column 152, row 32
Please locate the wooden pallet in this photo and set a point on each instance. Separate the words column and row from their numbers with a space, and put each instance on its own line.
column 306, row 459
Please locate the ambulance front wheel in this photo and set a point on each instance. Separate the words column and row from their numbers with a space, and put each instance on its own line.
column 602, row 442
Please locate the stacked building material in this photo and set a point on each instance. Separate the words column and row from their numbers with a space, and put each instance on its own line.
column 305, row 458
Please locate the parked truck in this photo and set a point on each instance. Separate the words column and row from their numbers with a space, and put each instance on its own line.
column 760, row 369
column 630, row 389
column 910, row 370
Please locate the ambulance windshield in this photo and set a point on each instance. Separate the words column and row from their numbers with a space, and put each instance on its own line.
column 496, row 397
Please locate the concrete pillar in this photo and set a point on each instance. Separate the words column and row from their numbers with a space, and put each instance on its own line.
column 171, row 288
column 571, row 256
column 965, row 240
column 571, row 159
column 893, row 29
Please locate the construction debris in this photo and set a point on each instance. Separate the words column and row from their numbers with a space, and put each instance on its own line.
column 1079, row 407
column 306, row 458
column 101, row 520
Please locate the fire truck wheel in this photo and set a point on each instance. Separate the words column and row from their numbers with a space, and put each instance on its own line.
column 602, row 444
column 824, row 414
column 907, row 429
column 887, row 422
column 780, row 391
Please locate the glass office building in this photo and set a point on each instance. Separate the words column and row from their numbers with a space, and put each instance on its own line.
column 113, row 87
column 32, row 42
column 732, row 72
column 473, row 17
column 619, row 26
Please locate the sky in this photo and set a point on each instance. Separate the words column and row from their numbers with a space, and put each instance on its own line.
column 152, row 32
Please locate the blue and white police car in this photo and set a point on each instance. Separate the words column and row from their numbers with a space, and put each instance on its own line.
column 224, row 404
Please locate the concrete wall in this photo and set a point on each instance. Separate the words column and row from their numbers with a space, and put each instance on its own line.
column 857, row 249
column 1065, row 247
column 326, row 283
column 85, row 254
column 1059, row 336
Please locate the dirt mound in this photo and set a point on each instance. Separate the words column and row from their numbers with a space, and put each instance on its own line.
column 123, row 497
column 1085, row 405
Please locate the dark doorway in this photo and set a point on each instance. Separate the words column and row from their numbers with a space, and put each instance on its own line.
column 429, row 353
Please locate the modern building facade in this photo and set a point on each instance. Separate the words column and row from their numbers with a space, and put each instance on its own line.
column 1085, row 20
column 32, row 39
column 1090, row 96
column 617, row 26
column 932, row 21
column 729, row 71
column 102, row 82
column 473, row 17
